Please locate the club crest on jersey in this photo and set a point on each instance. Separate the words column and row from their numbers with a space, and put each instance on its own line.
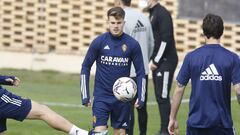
column 124, row 47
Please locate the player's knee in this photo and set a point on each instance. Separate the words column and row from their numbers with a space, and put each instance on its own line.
column 38, row 110
column 92, row 132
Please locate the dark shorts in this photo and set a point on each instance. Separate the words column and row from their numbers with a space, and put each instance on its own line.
column 162, row 80
column 210, row 131
column 13, row 107
column 118, row 111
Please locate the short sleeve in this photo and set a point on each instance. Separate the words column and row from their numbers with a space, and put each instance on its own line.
column 185, row 71
column 236, row 71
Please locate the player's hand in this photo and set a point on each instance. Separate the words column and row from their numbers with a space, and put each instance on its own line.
column 173, row 127
column 89, row 104
column 15, row 81
column 137, row 105
column 152, row 66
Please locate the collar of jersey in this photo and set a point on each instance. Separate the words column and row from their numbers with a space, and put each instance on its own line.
column 212, row 45
column 114, row 37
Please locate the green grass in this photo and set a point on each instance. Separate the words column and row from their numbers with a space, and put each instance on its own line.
column 55, row 87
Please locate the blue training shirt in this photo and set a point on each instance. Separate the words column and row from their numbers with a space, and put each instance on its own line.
column 211, row 69
column 113, row 56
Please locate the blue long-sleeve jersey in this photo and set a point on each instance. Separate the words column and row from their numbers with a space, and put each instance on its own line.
column 3, row 80
column 113, row 56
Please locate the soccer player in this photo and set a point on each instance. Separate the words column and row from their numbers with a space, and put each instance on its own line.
column 15, row 107
column 164, row 59
column 212, row 69
column 113, row 52
column 140, row 29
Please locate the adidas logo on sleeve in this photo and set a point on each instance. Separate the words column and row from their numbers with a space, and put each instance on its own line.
column 210, row 74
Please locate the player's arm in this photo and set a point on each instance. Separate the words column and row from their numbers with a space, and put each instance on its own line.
column 85, row 72
column 150, row 40
column 162, row 39
column 176, row 101
column 140, row 71
column 236, row 77
column 9, row 80
column 237, row 89
column 182, row 80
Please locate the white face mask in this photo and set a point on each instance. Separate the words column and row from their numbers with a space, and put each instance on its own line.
column 142, row 3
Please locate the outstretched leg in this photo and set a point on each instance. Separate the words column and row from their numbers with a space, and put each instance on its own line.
column 56, row 121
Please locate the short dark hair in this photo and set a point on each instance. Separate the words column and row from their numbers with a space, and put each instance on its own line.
column 212, row 26
column 126, row 2
column 116, row 12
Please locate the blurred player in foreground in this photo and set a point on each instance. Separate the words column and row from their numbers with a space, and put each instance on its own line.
column 15, row 107
column 211, row 69
column 113, row 51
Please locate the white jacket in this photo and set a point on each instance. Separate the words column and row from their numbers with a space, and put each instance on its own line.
column 139, row 27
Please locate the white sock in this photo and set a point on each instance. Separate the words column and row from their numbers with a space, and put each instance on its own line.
column 77, row 131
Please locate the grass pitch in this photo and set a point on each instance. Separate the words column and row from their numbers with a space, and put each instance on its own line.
column 61, row 93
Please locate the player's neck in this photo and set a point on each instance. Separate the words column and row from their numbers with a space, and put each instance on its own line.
column 212, row 40
column 153, row 4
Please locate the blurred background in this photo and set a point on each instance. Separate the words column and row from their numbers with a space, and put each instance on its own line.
column 55, row 34
column 43, row 42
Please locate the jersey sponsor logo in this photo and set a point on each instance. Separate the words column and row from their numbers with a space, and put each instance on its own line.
column 139, row 27
column 210, row 74
column 106, row 47
column 117, row 61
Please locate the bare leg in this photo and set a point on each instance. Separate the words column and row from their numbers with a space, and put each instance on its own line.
column 119, row 131
column 53, row 119
column 2, row 133
column 100, row 128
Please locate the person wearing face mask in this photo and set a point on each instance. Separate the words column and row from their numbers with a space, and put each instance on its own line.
column 163, row 60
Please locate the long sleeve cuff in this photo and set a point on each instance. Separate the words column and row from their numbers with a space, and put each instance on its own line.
column 4, row 82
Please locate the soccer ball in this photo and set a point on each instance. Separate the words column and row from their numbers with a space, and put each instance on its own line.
column 124, row 89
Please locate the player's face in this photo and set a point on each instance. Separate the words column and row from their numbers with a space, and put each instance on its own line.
column 150, row 3
column 115, row 25
column 116, row 3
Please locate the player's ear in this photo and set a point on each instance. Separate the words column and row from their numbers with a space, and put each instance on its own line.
column 108, row 23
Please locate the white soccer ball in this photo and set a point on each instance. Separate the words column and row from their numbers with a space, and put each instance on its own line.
column 124, row 89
